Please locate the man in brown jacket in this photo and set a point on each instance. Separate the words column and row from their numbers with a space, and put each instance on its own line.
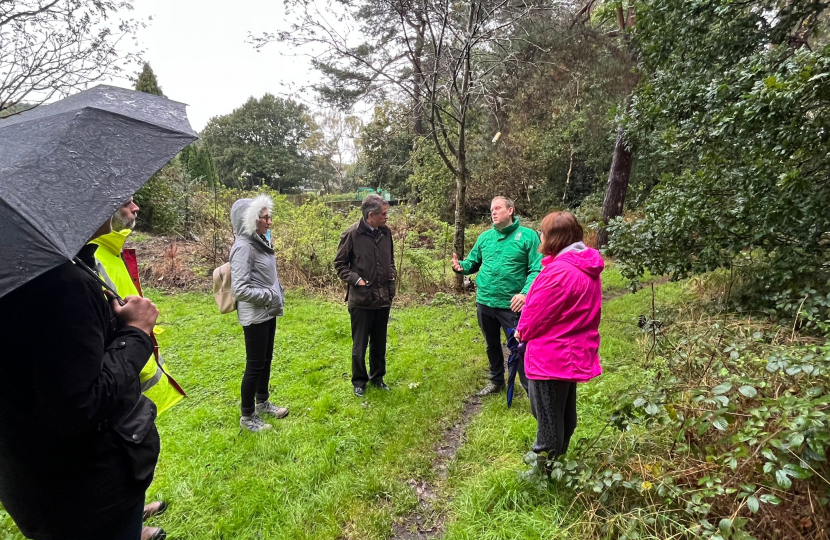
column 365, row 261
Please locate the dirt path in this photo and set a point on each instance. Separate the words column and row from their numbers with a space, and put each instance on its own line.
column 427, row 522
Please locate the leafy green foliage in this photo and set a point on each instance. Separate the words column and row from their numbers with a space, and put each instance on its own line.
column 167, row 202
column 729, row 424
column 738, row 122
column 385, row 147
column 198, row 162
column 261, row 143
column 557, row 124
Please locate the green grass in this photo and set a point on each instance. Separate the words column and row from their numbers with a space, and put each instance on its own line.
column 612, row 280
column 337, row 463
column 338, row 466
column 488, row 500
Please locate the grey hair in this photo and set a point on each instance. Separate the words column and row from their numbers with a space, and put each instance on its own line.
column 261, row 202
column 508, row 203
column 372, row 204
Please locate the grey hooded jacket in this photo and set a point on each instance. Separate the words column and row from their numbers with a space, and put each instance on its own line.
column 254, row 278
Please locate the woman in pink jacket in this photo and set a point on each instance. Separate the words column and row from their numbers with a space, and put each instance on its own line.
column 560, row 326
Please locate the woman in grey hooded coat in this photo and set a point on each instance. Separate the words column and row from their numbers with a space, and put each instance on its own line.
column 259, row 296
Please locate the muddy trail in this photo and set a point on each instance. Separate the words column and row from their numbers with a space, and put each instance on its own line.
column 427, row 522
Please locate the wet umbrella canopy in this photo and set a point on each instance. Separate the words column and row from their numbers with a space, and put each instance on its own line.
column 66, row 167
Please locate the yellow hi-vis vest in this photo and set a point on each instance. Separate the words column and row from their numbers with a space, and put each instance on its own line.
column 154, row 381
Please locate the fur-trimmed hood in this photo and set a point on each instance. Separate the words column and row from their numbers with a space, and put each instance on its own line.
column 245, row 212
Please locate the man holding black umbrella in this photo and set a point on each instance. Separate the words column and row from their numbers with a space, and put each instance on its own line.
column 78, row 442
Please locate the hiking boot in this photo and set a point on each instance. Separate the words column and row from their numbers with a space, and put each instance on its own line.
column 273, row 410
column 491, row 388
column 359, row 391
column 254, row 423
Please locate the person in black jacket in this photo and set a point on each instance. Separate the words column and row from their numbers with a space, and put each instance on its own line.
column 78, row 442
column 365, row 261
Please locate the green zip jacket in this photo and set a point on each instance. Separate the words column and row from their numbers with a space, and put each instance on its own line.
column 507, row 262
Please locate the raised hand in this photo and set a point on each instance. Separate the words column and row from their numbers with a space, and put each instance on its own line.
column 455, row 264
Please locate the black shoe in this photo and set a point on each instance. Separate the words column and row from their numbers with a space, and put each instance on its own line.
column 380, row 385
column 491, row 388
column 359, row 391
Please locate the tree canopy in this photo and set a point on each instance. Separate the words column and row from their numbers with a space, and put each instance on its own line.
column 735, row 119
column 262, row 142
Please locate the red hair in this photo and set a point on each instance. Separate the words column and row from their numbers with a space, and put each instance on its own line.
column 559, row 230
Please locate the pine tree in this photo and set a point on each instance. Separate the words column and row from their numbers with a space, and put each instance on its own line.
column 186, row 155
column 147, row 81
column 201, row 165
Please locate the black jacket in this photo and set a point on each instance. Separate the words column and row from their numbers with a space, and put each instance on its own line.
column 78, row 442
column 362, row 255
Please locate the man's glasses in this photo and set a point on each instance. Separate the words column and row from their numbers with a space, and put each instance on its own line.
column 265, row 218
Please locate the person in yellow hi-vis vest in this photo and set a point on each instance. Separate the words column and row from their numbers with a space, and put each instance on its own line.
column 119, row 268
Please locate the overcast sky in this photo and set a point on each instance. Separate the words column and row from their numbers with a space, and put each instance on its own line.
column 198, row 51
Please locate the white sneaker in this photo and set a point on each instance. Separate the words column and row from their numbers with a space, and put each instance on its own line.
column 254, row 423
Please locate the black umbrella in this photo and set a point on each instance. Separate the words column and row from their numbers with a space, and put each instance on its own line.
column 66, row 167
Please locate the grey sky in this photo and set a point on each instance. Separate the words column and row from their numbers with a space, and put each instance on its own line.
column 198, row 52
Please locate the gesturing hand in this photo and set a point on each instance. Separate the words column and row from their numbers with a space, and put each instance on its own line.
column 455, row 264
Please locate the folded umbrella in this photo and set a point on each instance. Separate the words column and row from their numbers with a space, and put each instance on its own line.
column 66, row 167
column 515, row 347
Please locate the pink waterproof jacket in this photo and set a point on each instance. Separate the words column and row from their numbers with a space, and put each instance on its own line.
column 560, row 319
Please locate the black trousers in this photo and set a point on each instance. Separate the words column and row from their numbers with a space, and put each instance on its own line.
column 368, row 329
column 494, row 321
column 126, row 527
column 553, row 403
column 259, row 350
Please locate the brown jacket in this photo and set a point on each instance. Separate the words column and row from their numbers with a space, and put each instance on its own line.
column 362, row 255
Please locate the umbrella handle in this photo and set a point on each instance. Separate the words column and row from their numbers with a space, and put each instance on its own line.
column 104, row 284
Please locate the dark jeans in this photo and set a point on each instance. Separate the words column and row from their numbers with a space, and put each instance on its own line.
column 553, row 403
column 368, row 328
column 259, row 349
column 492, row 322
column 126, row 527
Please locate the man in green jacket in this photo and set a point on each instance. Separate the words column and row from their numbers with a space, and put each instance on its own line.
column 507, row 260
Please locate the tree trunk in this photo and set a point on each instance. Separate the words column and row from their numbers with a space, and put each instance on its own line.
column 418, row 78
column 460, row 217
column 618, row 178
column 461, row 178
